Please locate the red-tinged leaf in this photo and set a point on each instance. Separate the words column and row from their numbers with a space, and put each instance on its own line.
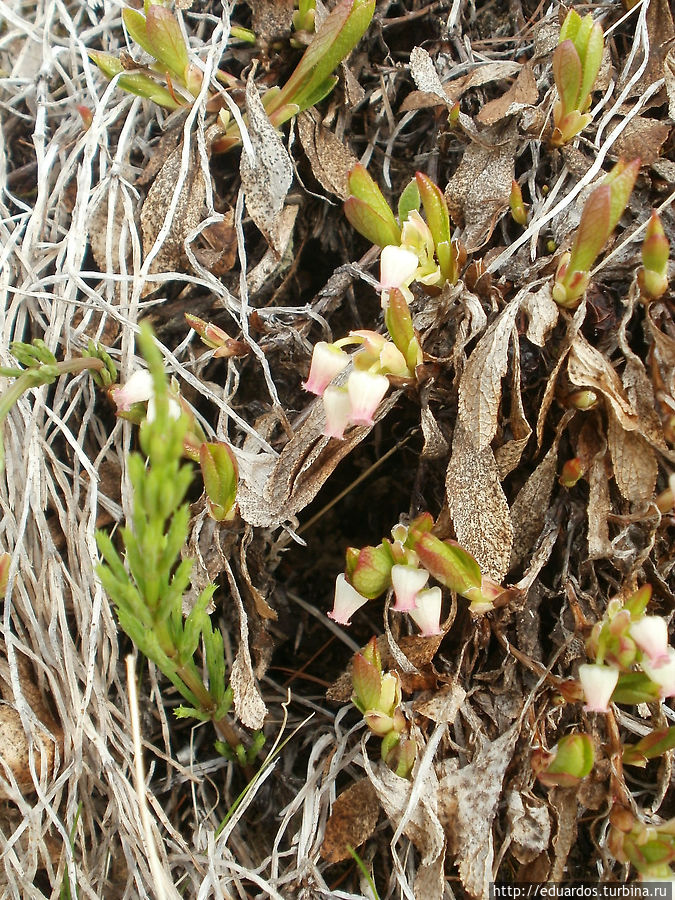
column 166, row 40
column 593, row 231
column 649, row 747
column 219, row 471
column 592, row 58
column 621, row 181
column 340, row 32
column 567, row 75
column 367, row 683
column 362, row 186
column 371, row 575
column 435, row 208
column 448, row 563
column 379, row 230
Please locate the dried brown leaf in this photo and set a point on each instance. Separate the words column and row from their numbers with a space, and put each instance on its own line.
column 542, row 314
column 508, row 455
column 529, row 826
column 267, row 178
column 432, row 92
column 523, row 92
column 478, row 505
column 633, row 461
column 477, row 203
column 592, row 451
column 564, row 802
column 643, row 137
column 248, row 702
column 352, row 820
column 444, row 705
column 330, row 159
column 467, row 805
column 587, row 367
column 664, row 352
column 573, row 326
column 480, row 388
column 171, row 256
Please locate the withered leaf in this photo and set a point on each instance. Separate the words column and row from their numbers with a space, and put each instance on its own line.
column 189, row 212
column 633, row 461
column 480, row 388
column 267, row 178
column 542, row 314
column 478, row 505
column 508, row 455
column 352, row 820
column 587, row 367
column 592, row 450
column 432, row 92
column 523, row 92
column 248, row 702
column 476, row 203
column 330, row 159
column 643, row 137
column 529, row 826
column 467, row 804
column 444, row 705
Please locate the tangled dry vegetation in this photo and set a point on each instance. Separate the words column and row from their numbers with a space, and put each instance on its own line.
column 134, row 218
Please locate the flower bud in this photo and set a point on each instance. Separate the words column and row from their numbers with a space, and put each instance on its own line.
column 138, row 388
column 370, row 571
column 650, row 633
column 518, row 210
column 571, row 760
column 663, row 673
column 220, row 474
column 653, row 276
column 397, row 267
column 572, row 471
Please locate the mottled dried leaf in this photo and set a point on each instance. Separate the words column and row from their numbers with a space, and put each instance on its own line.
column 329, row 157
column 529, row 825
column 424, row 74
column 592, row 450
column 564, row 802
column 432, row 92
column 587, row 367
column 478, row 505
column 633, row 461
column 477, row 203
column 508, row 455
column 444, row 705
column 542, row 314
column 480, row 388
column 523, row 92
column 189, row 212
column 573, row 326
column 265, row 180
column 248, row 702
column 352, row 820
column 467, row 804
column 664, row 351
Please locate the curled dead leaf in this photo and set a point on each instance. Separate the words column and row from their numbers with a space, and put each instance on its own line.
column 352, row 821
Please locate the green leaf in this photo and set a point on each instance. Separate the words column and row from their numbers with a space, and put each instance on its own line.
column 570, row 27
column 621, row 181
column 135, row 23
column 166, row 40
column 435, row 208
column 448, row 563
column 408, row 201
column 362, row 187
column 654, row 744
column 592, row 59
column 367, row 683
column 635, row 687
column 399, row 324
column 371, row 224
column 567, row 73
column 593, row 231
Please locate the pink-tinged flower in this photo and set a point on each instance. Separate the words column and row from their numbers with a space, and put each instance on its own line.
column 650, row 633
column 662, row 674
column 397, row 267
column 365, row 393
column 137, row 389
column 327, row 362
column 347, row 601
column 598, row 683
column 337, row 407
column 408, row 581
column 427, row 612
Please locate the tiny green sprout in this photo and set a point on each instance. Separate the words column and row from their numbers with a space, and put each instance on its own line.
column 518, row 208
column 570, row 761
column 303, row 22
column 599, row 218
column 653, row 276
column 576, row 63
column 141, row 85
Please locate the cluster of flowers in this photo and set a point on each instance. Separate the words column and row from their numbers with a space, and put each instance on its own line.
column 405, row 564
column 411, row 251
column 633, row 661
